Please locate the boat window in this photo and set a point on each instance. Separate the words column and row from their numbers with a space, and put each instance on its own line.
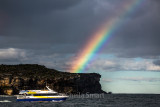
column 29, row 94
column 46, row 94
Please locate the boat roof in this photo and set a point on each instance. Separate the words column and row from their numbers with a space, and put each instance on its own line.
column 49, row 91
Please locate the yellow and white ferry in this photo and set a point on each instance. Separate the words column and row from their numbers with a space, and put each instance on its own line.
column 41, row 95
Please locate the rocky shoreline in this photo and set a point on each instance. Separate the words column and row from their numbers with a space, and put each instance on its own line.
column 32, row 76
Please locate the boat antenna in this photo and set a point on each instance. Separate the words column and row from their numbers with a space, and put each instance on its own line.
column 48, row 88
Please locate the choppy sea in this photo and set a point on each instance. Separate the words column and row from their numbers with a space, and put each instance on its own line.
column 110, row 100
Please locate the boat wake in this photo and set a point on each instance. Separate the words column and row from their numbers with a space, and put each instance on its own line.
column 3, row 101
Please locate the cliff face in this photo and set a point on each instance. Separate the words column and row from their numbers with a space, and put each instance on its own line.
column 22, row 77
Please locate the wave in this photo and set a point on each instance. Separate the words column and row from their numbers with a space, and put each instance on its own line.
column 5, row 101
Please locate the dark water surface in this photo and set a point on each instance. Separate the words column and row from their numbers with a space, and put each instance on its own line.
column 114, row 100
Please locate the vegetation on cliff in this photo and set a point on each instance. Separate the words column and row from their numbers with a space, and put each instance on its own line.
column 29, row 70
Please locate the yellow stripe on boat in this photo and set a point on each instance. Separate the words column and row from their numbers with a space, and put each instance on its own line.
column 31, row 92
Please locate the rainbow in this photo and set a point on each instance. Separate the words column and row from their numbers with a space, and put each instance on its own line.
column 102, row 36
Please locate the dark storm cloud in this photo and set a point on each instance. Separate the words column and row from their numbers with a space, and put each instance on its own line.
column 34, row 23
column 156, row 62
column 29, row 7
column 63, row 29
column 139, row 36
column 21, row 14
column 46, row 27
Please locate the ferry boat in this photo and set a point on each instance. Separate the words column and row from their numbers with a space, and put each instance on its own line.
column 41, row 95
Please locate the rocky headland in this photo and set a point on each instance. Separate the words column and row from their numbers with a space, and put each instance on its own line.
column 32, row 76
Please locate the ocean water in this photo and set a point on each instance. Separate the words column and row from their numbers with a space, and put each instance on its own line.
column 113, row 100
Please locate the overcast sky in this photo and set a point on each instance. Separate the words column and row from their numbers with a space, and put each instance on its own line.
column 52, row 32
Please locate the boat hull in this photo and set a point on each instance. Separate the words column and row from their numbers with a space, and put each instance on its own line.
column 42, row 99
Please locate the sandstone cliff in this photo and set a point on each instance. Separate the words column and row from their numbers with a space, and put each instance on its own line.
column 32, row 76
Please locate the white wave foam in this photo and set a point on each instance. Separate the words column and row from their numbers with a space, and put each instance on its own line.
column 5, row 101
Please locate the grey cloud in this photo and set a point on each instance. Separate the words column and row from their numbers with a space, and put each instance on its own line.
column 25, row 7
column 52, row 30
column 20, row 16
column 139, row 36
column 64, row 26
column 139, row 79
column 156, row 62
column 12, row 56
column 106, row 80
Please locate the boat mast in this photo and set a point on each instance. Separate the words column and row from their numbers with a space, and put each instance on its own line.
column 48, row 88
